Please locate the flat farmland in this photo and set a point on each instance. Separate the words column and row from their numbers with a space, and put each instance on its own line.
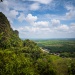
column 57, row 46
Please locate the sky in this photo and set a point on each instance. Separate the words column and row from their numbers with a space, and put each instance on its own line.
column 35, row 19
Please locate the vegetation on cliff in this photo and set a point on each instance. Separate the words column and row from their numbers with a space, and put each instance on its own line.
column 8, row 37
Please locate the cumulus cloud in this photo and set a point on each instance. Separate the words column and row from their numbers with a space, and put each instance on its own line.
column 70, row 14
column 69, row 7
column 34, row 22
column 13, row 13
column 5, row 8
column 62, row 28
column 30, row 18
column 71, row 11
column 72, row 27
column 44, row 26
column 21, row 17
column 34, row 6
column 41, row 24
column 28, row 29
column 34, row 30
column 55, row 22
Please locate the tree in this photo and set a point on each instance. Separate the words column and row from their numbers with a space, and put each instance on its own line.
column 71, row 68
column 44, row 67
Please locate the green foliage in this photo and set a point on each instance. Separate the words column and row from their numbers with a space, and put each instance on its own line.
column 67, row 54
column 8, row 37
column 31, row 48
column 45, row 66
column 15, row 40
column 13, row 64
column 71, row 68
column 29, row 43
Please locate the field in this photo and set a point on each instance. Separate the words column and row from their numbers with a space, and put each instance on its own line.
column 65, row 47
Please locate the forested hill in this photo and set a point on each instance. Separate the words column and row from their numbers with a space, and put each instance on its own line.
column 8, row 37
column 20, row 57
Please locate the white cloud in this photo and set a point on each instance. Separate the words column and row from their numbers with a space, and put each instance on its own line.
column 42, row 1
column 35, row 6
column 21, row 17
column 13, row 13
column 41, row 24
column 31, row 30
column 41, row 32
column 71, row 12
column 5, row 8
column 62, row 28
column 34, row 22
column 28, row 29
column 55, row 22
column 69, row 7
column 72, row 27
column 10, row 8
column 30, row 18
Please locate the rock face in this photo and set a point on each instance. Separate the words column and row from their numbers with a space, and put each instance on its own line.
column 7, row 35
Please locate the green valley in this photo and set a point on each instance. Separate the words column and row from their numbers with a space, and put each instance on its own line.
column 65, row 48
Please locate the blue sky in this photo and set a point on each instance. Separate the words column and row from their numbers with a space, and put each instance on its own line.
column 41, row 18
